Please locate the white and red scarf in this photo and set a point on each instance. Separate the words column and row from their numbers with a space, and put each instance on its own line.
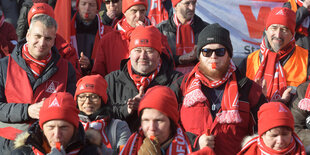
column 99, row 125
column 99, row 34
column 257, row 146
column 36, row 66
column 230, row 101
column 157, row 12
column 271, row 70
column 185, row 38
column 304, row 26
column 142, row 80
column 304, row 104
column 2, row 20
column 179, row 145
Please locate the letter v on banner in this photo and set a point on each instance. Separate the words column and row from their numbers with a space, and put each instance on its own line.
column 255, row 26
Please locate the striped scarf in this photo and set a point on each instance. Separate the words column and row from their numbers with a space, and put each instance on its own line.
column 157, row 12
column 36, row 66
column 304, row 104
column 185, row 38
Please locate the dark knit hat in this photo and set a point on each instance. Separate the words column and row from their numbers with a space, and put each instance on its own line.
column 214, row 33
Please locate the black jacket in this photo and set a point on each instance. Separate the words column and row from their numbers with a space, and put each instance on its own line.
column 121, row 87
column 169, row 29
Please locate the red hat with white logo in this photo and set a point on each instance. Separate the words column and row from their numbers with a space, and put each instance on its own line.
column 40, row 8
column 59, row 106
column 282, row 16
column 126, row 4
column 274, row 114
column 146, row 36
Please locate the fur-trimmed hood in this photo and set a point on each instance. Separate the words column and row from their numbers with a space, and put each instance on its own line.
column 21, row 139
column 247, row 139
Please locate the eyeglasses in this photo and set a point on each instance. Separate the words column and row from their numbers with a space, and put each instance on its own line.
column 92, row 97
column 218, row 52
column 108, row 1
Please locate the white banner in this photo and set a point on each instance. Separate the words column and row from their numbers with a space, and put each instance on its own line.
column 245, row 19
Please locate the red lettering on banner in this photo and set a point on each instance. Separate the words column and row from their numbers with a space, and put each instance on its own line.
column 255, row 26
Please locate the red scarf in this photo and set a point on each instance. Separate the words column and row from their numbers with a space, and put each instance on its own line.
column 271, row 70
column 185, row 38
column 99, row 34
column 179, row 145
column 100, row 126
column 304, row 104
column 230, row 101
column 126, row 29
column 257, row 146
column 142, row 80
column 36, row 66
column 157, row 12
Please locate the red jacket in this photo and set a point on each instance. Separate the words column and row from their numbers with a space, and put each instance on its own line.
column 8, row 34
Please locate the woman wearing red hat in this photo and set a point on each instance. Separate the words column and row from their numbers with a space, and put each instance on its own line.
column 91, row 97
column 275, row 132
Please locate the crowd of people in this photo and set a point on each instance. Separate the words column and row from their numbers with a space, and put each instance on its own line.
column 145, row 79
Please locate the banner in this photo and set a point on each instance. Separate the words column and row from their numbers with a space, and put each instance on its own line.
column 245, row 19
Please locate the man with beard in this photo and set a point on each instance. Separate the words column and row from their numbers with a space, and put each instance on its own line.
column 218, row 103
column 280, row 65
column 182, row 30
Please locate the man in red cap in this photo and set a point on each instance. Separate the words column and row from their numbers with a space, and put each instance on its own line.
column 280, row 65
column 113, row 47
column 86, row 31
column 182, row 30
column 147, row 66
column 275, row 132
column 160, row 132
column 58, row 130
column 31, row 73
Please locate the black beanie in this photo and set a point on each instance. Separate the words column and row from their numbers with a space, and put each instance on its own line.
column 214, row 33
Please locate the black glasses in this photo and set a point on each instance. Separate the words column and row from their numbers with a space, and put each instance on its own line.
column 218, row 52
column 108, row 1
column 92, row 97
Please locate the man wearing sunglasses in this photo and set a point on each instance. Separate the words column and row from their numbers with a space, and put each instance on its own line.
column 182, row 30
column 280, row 65
column 217, row 101
column 113, row 12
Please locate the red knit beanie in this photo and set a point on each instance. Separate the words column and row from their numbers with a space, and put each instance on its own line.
column 126, row 4
column 163, row 99
column 274, row 114
column 92, row 84
column 175, row 2
column 59, row 106
column 98, row 4
column 282, row 16
column 146, row 36
column 38, row 8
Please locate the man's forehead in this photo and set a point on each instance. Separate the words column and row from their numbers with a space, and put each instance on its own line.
column 137, row 7
column 278, row 25
column 184, row 1
column 88, row 1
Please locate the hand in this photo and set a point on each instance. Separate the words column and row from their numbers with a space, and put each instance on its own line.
column 150, row 147
column 139, row 23
column 262, row 83
column 188, row 58
column 205, row 140
column 306, row 4
column 93, row 136
column 84, row 61
column 111, row 14
column 55, row 151
column 286, row 96
column 34, row 109
column 133, row 103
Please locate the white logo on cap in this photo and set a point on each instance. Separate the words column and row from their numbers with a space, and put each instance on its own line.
column 82, row 87
column 210, row 38
column 282, row 109
column 280, row 12
column 54, row 103
column 51, row 88
column 33, row 10
column 137, row 42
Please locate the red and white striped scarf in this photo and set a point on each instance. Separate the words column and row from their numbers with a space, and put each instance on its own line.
column 230, row 101
column 2, row 20
column 304, row 104
column 185, row 38
column 100, row 126
column 271, row 70
column 179, row 145
column 142, row 80
column 157, row 12
column 36, row 66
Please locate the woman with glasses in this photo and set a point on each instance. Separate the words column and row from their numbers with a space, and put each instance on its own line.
column 101, row 129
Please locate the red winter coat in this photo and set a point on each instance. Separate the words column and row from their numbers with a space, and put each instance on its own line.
column 7, row 35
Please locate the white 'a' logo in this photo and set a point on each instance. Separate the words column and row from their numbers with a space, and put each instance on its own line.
column 33, row 10
column 51, row 88
column 54, row 103
column 282, row 109
column 280, row 12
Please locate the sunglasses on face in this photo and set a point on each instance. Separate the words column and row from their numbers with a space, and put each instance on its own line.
column 218, row 52
column 108, row 1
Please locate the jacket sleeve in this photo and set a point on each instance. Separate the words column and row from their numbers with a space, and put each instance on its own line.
column 123, row 133
column 99, row 62
column 10, row 112
column 176, row 88
column 71, row 81
column 300, row 115
column 22, row 22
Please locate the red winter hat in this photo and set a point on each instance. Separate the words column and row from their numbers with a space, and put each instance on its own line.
column 274, row 114
column 92, row 84
column 59, row 106
column 98, row 4
column 175, row 2
column 146, row 36
column 126, row 4
column 38, row 8
column 163, row 99
column 282, row 16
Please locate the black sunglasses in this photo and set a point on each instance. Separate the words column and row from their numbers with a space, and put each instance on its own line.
column 108, row 1
column 218, row 52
